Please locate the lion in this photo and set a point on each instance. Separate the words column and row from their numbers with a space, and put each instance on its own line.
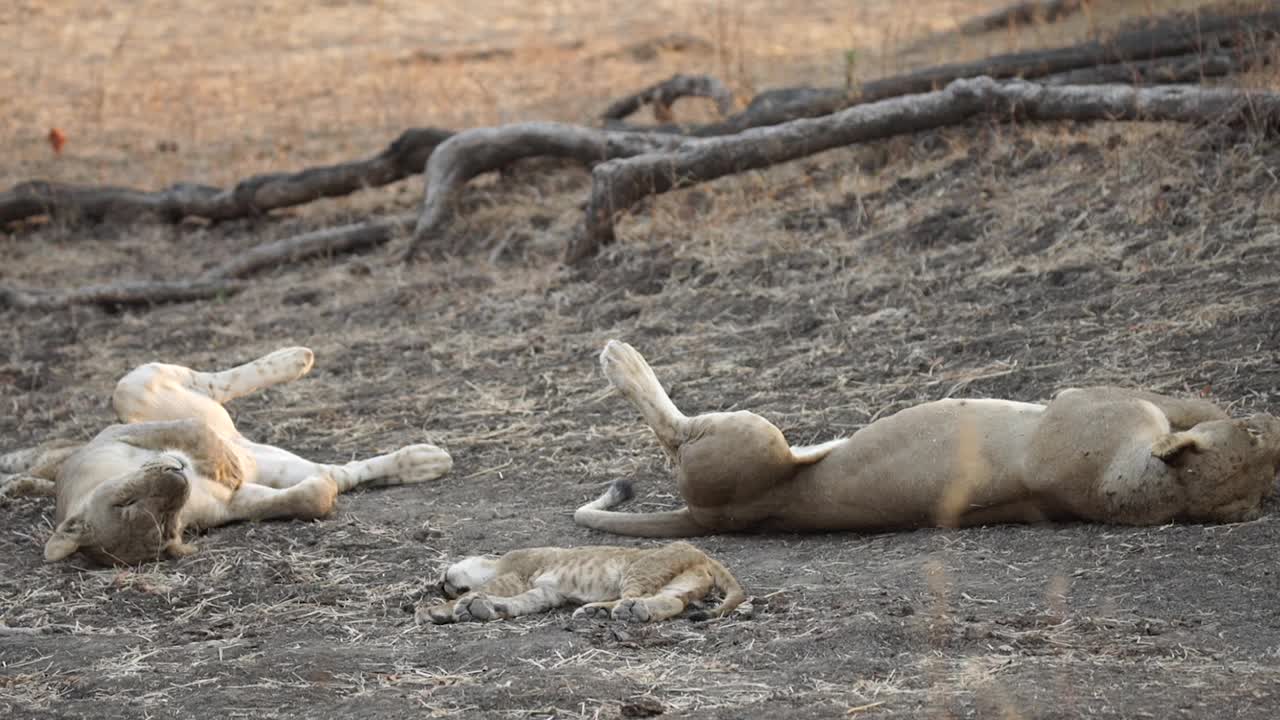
column 1105, row 455
column 626, row 584
column 179, row 463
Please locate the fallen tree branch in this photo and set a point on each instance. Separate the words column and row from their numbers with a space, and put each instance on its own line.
column 473, row 152
column 663, row 94
column 619, row 184
column 410, row 152
column 256, row 195
column 132, row 293
column 1190, row 68
column 1023, row 13
column 1179, row 35
column 329, row 241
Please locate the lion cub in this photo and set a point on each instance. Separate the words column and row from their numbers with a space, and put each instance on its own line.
column 628, row 584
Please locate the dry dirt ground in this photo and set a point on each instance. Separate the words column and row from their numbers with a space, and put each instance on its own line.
column 985, row 260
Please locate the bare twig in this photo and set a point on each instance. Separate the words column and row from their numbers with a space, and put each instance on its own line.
column 618, row 184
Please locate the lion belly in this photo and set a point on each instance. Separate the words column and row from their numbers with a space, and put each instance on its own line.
column 923, row 466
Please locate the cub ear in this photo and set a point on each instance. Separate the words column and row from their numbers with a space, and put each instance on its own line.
column 66, row 539
column 1172, row 445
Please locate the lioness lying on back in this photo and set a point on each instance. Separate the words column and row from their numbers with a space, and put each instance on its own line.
column 127, row 495
column 1100, row 454
column 628, row 584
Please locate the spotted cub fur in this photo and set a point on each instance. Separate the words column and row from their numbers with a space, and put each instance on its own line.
column 627, row 584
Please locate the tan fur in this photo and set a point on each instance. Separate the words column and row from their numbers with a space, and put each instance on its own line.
column 178, row 462
column 1101, row 454
column 31, row 472
column 627, row 584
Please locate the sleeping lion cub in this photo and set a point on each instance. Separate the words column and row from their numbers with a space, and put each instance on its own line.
column 628, row 584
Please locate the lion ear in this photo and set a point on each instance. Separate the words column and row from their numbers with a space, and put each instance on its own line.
column 1172, row 445
column 66, row 539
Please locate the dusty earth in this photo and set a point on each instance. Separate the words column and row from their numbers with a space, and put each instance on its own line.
column 986, row 261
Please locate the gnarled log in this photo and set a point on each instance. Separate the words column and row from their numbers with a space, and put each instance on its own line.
column 256, row 195
column 473, row 152
column 661, row 95
column 619, row 184
column 1179, row 35
column 1191, row 68
column 1023, row 13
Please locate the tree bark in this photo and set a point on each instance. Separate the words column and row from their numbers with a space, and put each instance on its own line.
column 256, row 195
column 619, row 184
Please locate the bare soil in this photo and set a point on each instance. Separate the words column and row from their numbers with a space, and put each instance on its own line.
column 983, row 261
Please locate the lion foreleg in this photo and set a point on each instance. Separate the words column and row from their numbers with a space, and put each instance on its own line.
column 24, row 485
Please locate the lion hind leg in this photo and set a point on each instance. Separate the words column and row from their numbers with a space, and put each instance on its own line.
column 24, row 485
column 314, row 497
column 406, row 466
column 639, row 604
column 161, row 391
column 282, row 366
column 42, row 460
column 628, row 371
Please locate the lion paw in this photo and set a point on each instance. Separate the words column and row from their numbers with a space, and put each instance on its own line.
column 288, row 364
column 314, row 497
column 631, row 610
column 477, row 608
column 593, row 611
column 624, row 366
column 441, row 614
column 418, row 463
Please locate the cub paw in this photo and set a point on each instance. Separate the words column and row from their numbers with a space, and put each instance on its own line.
column 477, row 608
column 593, row 611
column 440, row 614
column 418, row 463
column 631, row 610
